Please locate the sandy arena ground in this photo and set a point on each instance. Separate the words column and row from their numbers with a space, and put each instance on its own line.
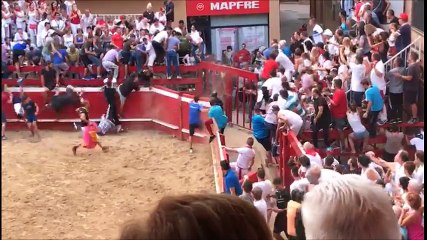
column 47, row 193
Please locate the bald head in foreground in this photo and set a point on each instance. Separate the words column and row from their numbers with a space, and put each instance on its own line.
column 200, row 216
column 349, row 207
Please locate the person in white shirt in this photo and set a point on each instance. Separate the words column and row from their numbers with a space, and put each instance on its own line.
column 57, row 24
column 378, row 80
column 142, row 24
column 5, row 20
column 419, row 163
column 150, row 52
column 271, row 117
column 42, row 30
column 273, row 84
column 396, row 167
column 20, row 17
column 156, row 27
column 267, row 189
column 417, row 140
column 87, row 20
column 311, row 153
column 299, row 183
column 33, row 18
column 259, row 202
column 284, row 61
column 331, row 43
column 317, row 30
column 160, row 41
column 161, row 16
column 359, row 130
column 357, row 75
column 289, row 120
column 20, row 36
column 245, row 159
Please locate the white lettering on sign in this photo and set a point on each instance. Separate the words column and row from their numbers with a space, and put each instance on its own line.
column 234, row 5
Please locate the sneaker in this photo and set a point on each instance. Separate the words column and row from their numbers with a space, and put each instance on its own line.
column 211, row 138
column 191, row 150
column 114, row 80
column 398, row 120
column 169, row 77
column 105, row 80
column 20, row 81
column 381, row 122
column 179, row 77
column 87, row 78
column 393, row 121
column 98, row 77
column 75, row 126
column 413, row 121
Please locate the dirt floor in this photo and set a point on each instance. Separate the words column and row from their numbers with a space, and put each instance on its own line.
column 47, row 193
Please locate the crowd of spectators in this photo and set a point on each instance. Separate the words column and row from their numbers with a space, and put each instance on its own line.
column 39, row 32
column 334, row 79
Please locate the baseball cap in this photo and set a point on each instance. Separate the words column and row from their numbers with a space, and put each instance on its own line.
column 328, row 33
column 178, row 30
column 404, row 17
column 282, row 43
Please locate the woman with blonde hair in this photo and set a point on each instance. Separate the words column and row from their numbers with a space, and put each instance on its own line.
column 200, row 216
column 149, row 14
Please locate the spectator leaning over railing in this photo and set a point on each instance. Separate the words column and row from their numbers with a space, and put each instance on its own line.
column 109, row 62
column 172, row 57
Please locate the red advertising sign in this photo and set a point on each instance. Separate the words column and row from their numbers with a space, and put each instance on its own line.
column 226, row 7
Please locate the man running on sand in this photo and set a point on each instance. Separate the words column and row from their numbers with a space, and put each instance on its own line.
column 31, row 110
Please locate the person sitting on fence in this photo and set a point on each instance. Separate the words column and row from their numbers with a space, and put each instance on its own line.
column 172, row 57
column 215, row 112
column 111, row 119
column 245, row 159
column 261, row 134
column 130, row 84
column 109, row 62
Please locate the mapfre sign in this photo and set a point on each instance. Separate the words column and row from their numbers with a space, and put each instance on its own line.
column 224, row 7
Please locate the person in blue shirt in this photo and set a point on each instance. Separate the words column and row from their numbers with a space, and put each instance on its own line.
column 18, row 53
column 375, row 104
column 231, row 182
column 216, row 112
column 194, row 109
column 261, row 133
column 59, row 61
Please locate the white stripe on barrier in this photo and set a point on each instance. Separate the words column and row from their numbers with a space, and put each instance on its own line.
column 221, row 152
column 174, row 127
column 195, row 134
column 78, row 120
column 165, row 93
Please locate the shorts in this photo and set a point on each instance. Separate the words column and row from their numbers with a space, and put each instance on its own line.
column 16, row 54
column 339, row 123
column 85, row 60
column 265, row 142
column 3, row 117
column 51, row 86
column 410, row 97
column 61, row 67
column 193, row 127
column 357, row 97
column 360, row 135
column 31, row 118
column 280, row 223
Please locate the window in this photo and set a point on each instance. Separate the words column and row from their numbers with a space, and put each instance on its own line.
column 418, row 14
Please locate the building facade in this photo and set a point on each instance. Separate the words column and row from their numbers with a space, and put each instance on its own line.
column 222, row 22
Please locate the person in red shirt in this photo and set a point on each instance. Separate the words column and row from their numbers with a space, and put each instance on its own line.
column 5, row 99
column 269, row 65
column 338, row 105
column 242, row 57
column 117, row 39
